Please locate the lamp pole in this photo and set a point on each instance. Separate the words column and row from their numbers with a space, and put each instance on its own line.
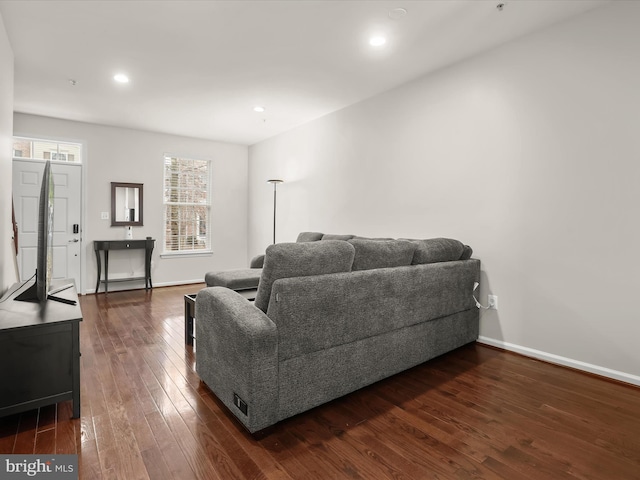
column 275, row 183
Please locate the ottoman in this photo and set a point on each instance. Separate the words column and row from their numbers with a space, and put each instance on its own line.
column 245, row 282
column 238, row 280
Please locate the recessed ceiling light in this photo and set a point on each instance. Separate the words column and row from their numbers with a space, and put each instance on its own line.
column 377, row 41
column 397, row 13
column 258, row 109
column 121, row 78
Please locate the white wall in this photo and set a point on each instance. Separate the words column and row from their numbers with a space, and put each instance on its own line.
column 125, row 155
column 529, row 153
column 7, row 271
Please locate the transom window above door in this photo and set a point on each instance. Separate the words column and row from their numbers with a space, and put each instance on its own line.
column 39, row 149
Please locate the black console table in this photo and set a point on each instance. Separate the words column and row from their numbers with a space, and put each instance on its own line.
column 39, row 351
column 106, row 245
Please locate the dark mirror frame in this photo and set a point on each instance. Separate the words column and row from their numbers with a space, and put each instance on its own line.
column 115, row 223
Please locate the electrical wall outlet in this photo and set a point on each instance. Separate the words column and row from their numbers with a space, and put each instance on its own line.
column 493, row 302
column 104, row 215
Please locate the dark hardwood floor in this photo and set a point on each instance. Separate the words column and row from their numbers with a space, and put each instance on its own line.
column 474, row 413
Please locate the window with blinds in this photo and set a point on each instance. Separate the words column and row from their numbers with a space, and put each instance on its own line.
column 187, row 205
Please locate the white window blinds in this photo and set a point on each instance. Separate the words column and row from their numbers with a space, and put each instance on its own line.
column 187, row 205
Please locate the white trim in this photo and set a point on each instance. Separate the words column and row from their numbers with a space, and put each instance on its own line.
column 567, row 362
column 181, row 282
column 187, row 253
column 48, row 138
column 114, row 288
column 40, row 160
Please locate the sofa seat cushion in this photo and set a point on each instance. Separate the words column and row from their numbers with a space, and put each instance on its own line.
column 372, row 254
column 287, row 260
column 243, row 279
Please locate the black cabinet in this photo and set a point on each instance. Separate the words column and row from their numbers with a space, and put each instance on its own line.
column 39, row 353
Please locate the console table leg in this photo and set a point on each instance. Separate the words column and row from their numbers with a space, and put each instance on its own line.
column 106, row 271
column 149, row 251
column 99, row 270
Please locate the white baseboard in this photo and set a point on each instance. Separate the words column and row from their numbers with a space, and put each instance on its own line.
column 181, row 282
column 114, row 287
column 567, row 362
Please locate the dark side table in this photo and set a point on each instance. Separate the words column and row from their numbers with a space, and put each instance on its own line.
column 190, row 312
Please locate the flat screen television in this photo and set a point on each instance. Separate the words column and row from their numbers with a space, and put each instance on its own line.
column 39, row 291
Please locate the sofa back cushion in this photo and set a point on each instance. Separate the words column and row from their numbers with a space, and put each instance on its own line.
column 371, row 254
column 309, row 237
column 333, row 236
column 434, row 250
column 466, row 253
column 326, row 311
column 372, row 238
column 286, row 260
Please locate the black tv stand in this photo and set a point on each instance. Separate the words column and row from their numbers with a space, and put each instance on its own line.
column 29, row 295
column 40, row 352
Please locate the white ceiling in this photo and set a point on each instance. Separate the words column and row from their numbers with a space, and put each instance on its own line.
column 198, row 68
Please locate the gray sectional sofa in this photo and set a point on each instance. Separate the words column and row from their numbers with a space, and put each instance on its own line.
column 331, row 317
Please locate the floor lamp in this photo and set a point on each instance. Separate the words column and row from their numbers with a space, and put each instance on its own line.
column 275, row 183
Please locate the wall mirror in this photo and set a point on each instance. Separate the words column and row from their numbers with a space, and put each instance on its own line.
column 126, row 204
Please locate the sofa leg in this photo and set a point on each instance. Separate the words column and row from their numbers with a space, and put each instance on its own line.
column 264, row 433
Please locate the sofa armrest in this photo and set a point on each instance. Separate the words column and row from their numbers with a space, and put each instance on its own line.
column 237, row 355
column 257, row 261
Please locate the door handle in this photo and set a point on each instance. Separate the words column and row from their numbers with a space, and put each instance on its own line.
column 75, row 240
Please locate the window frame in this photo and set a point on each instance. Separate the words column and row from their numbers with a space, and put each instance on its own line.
column 208, row 250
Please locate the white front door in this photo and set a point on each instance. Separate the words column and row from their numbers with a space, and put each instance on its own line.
column 67, row 178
